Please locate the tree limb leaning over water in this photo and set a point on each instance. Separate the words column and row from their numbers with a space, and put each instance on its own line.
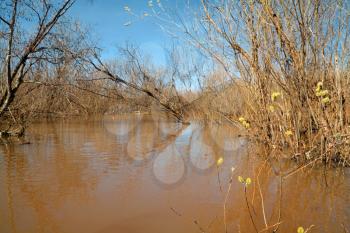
column 136, row 69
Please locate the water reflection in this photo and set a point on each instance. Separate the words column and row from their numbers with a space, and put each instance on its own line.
column 169, row 166
column 82, row 176
column 201, row 155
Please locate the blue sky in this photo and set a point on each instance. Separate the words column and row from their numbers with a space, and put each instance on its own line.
column 106, row 18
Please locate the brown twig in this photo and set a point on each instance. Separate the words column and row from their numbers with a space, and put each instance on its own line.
column 226, row 197
column 250, row 214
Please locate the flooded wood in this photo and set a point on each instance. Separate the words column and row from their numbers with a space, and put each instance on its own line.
column 87, row 176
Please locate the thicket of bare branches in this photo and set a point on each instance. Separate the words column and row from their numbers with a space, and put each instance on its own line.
column 289, row 63
column 31, row 38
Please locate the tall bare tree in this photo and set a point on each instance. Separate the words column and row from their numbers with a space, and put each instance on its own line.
column 27, row 35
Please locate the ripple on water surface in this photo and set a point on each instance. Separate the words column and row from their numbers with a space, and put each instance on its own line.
column 138, row 173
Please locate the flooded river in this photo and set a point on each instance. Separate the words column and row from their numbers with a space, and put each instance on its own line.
column 143, row 174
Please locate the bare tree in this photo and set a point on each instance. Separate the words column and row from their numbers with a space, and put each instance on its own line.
column 25, row 49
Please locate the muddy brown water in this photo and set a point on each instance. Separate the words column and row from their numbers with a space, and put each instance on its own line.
column 137, row 173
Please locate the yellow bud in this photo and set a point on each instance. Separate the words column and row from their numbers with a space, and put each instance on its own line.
column 240, row 179
column 300, row 230
column 246, row 124
column 271, row 108
column 248, row 181
column 325, row 100
column 241, row 119
column 288, row 133
column 323, row 93
column 319, row 91
column 275, row 95
column 219, row 161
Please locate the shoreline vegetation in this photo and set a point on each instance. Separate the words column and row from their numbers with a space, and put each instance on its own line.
column 280, row 71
